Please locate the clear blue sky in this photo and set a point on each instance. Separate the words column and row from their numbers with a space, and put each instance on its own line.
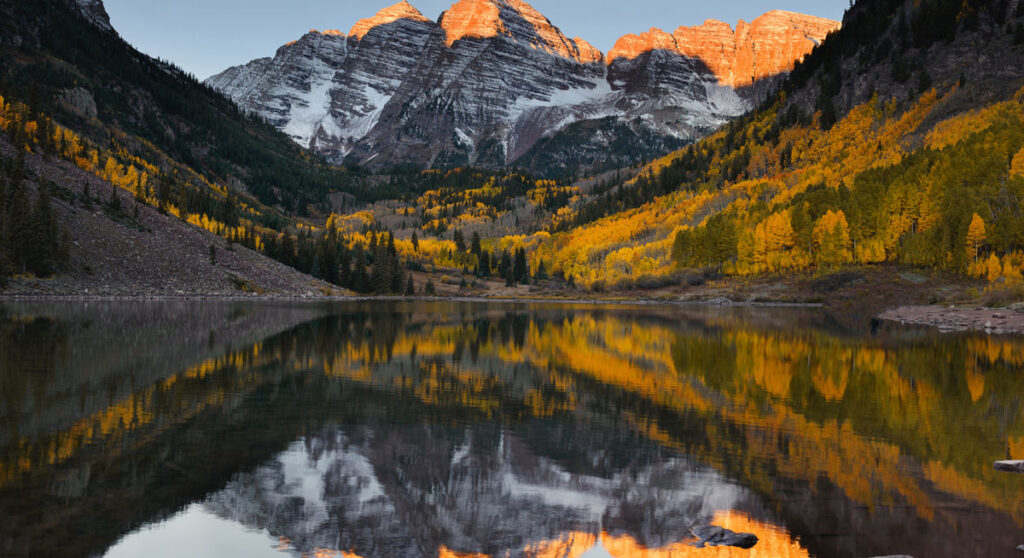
column 207, row 36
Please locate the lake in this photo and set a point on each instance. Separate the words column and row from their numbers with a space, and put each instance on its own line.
column 466, row 430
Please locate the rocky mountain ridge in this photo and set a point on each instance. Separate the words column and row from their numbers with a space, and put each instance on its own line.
column 95, row 12
column 492, row 78
column 768, row 46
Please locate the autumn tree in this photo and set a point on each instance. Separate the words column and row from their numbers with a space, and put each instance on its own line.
column 975, row 237
column 832, row 240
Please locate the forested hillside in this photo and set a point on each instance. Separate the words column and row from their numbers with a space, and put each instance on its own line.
column 88, row 78
column 897, row 140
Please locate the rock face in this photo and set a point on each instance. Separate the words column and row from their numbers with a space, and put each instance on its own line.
column 94, row 11
column 768, row 46
column 80, row 101
column 492, row 78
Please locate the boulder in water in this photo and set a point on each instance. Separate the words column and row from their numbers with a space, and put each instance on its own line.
column 711, row 535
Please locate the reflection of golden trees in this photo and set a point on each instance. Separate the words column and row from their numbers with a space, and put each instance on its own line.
column 745, row 365
column 773, row 542
column 149, row 408
column 882, row 423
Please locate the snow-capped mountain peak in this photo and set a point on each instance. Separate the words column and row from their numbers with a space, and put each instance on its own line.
column 491, row 79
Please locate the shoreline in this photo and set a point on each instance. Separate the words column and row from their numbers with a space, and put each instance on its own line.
column 995, row 321
column 713, row 303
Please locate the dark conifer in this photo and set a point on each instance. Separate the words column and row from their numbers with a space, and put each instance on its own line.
column 476, row 247
column 114, row 203
column 542, row 273
column 521, row 272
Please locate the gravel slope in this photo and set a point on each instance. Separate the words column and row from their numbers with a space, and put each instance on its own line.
column 159, row 255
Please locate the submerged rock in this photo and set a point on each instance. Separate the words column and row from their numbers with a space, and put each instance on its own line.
column 1010, row 466
column 711, row 535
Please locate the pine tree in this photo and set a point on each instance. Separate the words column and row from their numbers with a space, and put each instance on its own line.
column 483, row 267
column 114, row 203
column 505, row 267
column 396, row 272
column 521, row 271
column 360, row 282
column 476, row 247
column 41, row 259
column 430, row 290
column 344, row 267
column 542, row 273
column 410, row 287
column 460, row 241
column 18, row 229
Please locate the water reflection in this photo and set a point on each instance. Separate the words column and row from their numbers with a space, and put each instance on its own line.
column 444, row 429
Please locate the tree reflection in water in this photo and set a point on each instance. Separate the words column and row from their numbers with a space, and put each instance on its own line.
column 425, row 429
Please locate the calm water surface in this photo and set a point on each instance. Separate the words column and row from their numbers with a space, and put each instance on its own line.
column 476, row 430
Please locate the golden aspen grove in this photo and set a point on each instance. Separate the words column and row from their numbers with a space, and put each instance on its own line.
column 907, row 177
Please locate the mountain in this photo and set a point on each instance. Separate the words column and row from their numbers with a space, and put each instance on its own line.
column 897, row 141
column 490, row 484
column 493, row 79
column 121, row 174
column 96, row 13
column 62, row 57
column 767, row 47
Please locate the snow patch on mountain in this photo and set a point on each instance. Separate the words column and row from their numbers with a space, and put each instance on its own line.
column 489, row 81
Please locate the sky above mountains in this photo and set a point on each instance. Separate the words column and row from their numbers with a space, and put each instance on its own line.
column 206, row 36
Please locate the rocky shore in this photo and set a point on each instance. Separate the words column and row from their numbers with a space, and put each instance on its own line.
column 992, row 320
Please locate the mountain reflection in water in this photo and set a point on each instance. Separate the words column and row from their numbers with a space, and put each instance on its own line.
column 469, row 429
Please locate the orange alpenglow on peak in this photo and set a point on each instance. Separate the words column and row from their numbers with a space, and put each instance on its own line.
column 401, row 10
column 481, row 19
column 588, row 53
column 770, row 45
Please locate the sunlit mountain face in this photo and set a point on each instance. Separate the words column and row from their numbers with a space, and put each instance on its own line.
column 466, row 430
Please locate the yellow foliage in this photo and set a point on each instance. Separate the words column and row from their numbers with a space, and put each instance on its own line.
column 870, row 251
column 832, row 239
column 993, row 268
column 1017, row 168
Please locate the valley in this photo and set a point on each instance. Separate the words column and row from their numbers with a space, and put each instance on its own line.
column 839, row 157
column 463, row 286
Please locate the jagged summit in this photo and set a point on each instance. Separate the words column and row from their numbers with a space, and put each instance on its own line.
column 94, row 11
column 401, row 10
column 512, row 18
column 492, row 79
column 768, row 46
